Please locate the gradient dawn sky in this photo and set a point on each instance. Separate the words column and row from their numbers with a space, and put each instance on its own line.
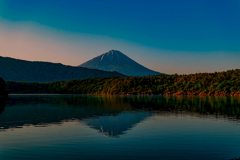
column 169, row 36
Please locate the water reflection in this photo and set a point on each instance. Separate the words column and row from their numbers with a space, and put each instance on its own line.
column 44, row 110
column 205, row 105
column 2, row 105
column 109, row 115
column 115, row 125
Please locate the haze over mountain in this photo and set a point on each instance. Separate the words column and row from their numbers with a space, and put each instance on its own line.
column 21, row 70
column 114, row 60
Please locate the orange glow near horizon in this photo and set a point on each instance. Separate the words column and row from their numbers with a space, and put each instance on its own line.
column 34, row 42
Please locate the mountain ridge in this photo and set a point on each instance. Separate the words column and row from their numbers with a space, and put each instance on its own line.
column 115, row 60
column 38, row 71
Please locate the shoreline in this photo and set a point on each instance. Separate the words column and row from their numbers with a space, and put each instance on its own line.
column 202, row 84
column 203, row 95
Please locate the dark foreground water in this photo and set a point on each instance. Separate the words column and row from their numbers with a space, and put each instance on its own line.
column 119, row 127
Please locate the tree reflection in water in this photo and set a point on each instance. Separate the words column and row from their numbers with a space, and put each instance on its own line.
column 110, row 115
column 2, row 105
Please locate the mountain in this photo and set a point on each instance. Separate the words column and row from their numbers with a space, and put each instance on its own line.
column 21, row 70
column 116, row 61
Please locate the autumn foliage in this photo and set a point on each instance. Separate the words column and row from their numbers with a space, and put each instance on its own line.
column 217, row 84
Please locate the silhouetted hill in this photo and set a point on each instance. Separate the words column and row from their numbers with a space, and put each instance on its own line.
column 21, row 70
column 3, row 92
column 116, row 61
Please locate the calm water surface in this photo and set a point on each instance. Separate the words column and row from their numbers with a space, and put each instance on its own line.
column 119, row 127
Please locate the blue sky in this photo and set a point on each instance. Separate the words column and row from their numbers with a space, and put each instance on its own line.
column 170, row 36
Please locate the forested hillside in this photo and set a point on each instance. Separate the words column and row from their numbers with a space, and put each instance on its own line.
column 20, row 70
column 218, row 84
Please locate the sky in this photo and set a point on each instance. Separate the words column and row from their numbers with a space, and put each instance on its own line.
column 169, row 36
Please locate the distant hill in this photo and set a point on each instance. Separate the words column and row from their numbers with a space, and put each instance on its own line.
column 116, row 61
column 21, row 70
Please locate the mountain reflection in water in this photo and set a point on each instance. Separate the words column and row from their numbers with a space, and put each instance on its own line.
column 115, row 125
column 109, row 115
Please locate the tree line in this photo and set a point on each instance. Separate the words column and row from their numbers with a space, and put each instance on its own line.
column 218, row 84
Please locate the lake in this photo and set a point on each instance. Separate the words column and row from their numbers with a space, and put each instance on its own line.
column 119, row 127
